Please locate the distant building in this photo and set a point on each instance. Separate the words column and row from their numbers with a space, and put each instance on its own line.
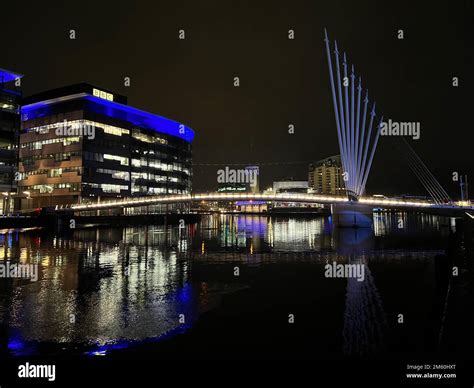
column 10, row 100
column 325, row 176
column 255, row 171
column 290, row 186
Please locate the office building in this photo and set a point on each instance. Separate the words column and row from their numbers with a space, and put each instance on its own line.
column 81, row 143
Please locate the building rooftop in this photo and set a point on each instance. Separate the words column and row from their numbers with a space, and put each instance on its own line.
column 335, row 159
column 71, row 90
column 7, row 76
column 105, row 103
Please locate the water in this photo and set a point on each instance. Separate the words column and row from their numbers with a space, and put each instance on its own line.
column 106, row 289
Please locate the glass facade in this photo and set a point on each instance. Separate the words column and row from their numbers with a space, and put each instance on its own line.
column 10, row 99
column 73, row 150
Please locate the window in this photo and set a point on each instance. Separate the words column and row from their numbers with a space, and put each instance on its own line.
column 117, row 174
column 123, row 160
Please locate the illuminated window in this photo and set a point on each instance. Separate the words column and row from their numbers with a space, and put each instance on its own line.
column 124, row 175
column 143, row 137
column 55, row 172
column 107, row 188
column 123, row 160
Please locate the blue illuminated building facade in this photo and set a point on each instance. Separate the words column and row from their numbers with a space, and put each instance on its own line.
column 10, row 99
column 82, row 143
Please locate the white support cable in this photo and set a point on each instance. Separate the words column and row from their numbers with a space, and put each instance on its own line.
column 374, row 146
column 434, row 180
column 361, row 189
column 359, row 93
column 348, row 124
column 424, row 179
column 431, row 177
column 341, row 112
column 352, row 127
column 361, row 145
column 424, row 182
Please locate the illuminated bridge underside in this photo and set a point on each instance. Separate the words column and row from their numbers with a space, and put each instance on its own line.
column 287, row 197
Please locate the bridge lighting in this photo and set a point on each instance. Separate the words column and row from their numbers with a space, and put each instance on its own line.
column 287, row 197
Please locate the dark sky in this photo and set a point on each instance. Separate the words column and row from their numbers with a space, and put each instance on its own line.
column 282, row 81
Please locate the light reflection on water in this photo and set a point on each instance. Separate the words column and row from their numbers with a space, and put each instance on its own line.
column 101, row 289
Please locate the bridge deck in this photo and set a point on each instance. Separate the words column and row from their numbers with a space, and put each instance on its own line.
column 284, row 197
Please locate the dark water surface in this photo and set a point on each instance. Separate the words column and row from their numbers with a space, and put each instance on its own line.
column 140, row 290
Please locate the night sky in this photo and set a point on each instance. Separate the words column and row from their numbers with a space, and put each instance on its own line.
column 282, row 81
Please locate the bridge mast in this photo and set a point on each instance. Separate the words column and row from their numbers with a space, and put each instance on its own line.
column 357, row 146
